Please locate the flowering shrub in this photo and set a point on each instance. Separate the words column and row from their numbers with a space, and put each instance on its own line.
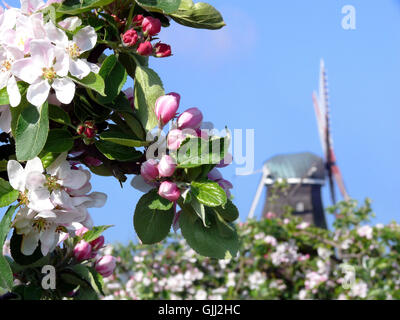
column 279, row 259
column 64, row 117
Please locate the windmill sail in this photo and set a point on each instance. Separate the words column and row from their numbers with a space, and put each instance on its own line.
column 322, row 112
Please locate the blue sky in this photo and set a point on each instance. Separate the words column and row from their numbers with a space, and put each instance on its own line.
column 259, row 73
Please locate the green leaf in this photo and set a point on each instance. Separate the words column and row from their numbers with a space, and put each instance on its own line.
column 97, row 281
column 118, row 152
column 160, row 203
column 129, row 62
column 208, row 193
column 31, row 131
column 95, row 232
column 58, row 141
column 228, row 211
column 200, row 210
column 57, row 114
column 152, row 225
column 6, row 275
column 163, row 6
column 119, row 137
column 48, row 158
column 195, row 152
column 148, row 88
column 134, row 125
column 200, row 15
column 92, row 81
column 4, row 97
column 73, row 7
column 216, row 241
column 114, row 75
column 7, row 194
column 3, row 165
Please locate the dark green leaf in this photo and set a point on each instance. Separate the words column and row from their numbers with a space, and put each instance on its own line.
column 58, row 115
column 7, row 194
column 164, row 6
column 6, row 275
column 58, row 141
column 18, row 256
column 152, row 225
column 31, row 131
column 119, row 152
column 119, row 137
column 228, row 211
column 216, row 241
column 73, row 7
column 200, row 15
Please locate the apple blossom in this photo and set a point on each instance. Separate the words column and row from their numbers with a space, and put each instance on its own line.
column 166, row 166
column 130, row 38
column 166, row 107
column 151, row 26
column 8, row 55
column 145, row 48
column 169, row 190
column 82, row 250
column 162, row 50
column 105, row 265
column 191, row 118
column 149, row 170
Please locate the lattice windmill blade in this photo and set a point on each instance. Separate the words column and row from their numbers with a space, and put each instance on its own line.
column 322, row 110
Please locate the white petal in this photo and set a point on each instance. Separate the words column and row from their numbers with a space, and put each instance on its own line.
column 140, row 184
column 29, row 243
column 61, row 67
column 70, row 23
column 47, row 214
column 75, row 180
column 56, row 35
column 13, row 92
column 93, row 67
column 26, row 70
column 78, row 68
column 65, row 89
column 54, row 167
column 38, row 92
column 39, row 200
column 85, row 38
column 98, row 200
column 42, row 52
column 62, row 199
column 35, row 180
column 16, row 175
column 5, row 120
column 34, row 165
column 47, row 239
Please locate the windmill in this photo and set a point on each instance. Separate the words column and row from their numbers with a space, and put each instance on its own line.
column 305, row 173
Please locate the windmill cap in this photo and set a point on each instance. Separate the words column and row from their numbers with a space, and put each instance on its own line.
column 295, row 167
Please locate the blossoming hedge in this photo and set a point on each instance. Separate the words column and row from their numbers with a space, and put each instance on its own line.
column 278, row 259
column 65, row 117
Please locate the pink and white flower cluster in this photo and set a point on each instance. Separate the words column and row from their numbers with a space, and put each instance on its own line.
column 41, row 54
column 159, row 172
column 53, row 202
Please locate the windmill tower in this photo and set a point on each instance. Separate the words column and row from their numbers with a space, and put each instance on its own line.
column 303, row 173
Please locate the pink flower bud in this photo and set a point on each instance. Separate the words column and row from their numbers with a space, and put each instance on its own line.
column 145, row 48
column 82, row 251
column 80, row 232
column 97, row 243
column 167, row 166
column 151, row 26
column 137, row 20
column 149, row 170
column 130, row 38
column 214, row 175
column 105, row 265
column 169, row 190
column 162, row 50
column 174, row 139
column 191, row 118
column 167, row 106
column 226, row 161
